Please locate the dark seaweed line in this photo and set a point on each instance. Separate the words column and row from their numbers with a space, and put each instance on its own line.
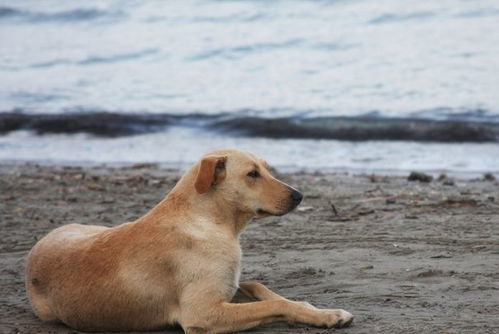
column 75, row 15
column 107, row 124
column 362, row 129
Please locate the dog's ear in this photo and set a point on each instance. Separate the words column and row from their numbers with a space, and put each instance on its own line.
column 211, row 171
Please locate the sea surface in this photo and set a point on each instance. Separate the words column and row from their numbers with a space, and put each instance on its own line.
column 356, row 85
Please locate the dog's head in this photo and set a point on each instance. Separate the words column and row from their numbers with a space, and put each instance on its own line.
column 244, row 180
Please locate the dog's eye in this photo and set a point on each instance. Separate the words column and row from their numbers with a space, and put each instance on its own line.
column 254, row 174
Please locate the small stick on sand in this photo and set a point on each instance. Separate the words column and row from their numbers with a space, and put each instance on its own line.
column 334, row 209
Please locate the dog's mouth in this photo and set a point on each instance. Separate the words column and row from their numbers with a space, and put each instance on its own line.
column 263, row 213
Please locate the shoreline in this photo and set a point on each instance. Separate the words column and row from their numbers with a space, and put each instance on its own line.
column 403, row 257
column 181, row 167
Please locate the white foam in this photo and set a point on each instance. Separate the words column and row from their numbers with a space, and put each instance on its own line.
column 180, row 147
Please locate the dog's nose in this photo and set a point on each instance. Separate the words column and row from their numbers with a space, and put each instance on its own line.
column 296, row 197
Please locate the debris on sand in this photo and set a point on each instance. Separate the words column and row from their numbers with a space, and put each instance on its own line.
column 449, row 182
column 429, row 273
column 145, row 165
column 421, row 177
column 489, row 177
column 390, row 200
column 446, row 181
column 334, row 209
column 374, row 178
column 305, row 208
column 460, row 202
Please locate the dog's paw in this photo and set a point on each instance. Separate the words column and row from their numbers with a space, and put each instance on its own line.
column 336, row 318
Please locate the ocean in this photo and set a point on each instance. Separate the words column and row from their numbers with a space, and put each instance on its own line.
column 366, row 86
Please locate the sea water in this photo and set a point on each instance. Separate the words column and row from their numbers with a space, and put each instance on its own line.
column 434, row 60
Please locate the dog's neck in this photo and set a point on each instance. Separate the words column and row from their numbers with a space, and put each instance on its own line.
column 218, row 211
column 184, row 200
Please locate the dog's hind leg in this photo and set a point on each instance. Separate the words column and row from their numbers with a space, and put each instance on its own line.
column 41, row 306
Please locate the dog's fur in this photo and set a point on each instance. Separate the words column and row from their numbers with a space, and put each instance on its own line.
column 178, row 264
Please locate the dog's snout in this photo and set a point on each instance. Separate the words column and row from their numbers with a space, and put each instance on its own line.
column 296, row 197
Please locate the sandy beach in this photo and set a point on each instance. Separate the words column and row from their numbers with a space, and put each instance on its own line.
column 402, row 256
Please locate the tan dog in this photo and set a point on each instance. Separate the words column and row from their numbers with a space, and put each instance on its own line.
column 178, row 264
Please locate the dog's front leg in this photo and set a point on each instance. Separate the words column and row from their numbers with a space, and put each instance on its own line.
column 259, row 291
column 228, row 317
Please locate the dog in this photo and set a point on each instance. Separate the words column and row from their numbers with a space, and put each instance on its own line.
column 177, row 265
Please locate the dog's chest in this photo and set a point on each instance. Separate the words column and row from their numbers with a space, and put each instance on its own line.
column 215, row 273
column 224, row 269
column 214, row 259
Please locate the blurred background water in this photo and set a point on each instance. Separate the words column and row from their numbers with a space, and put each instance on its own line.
column 384, row 59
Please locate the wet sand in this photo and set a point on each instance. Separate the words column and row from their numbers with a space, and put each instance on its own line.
column 403, row 257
